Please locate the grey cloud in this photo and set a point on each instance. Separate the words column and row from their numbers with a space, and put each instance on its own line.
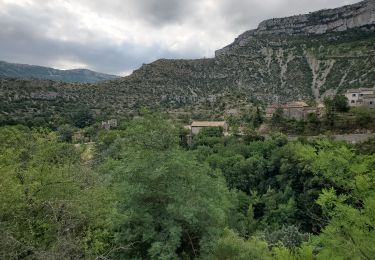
column 237, row 14
column 23, row 36
column 165, row 11
column 154, row 12
column 25, row 42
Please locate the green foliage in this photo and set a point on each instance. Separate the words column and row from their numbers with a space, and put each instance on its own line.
column 364, row 116
column 82, row 118
column 172, row 206
column 140, row 193
column 333, row 106
column 208, row 136
column 303, row 253
column 65, row 133
column 50, row 206
column 340, row 103
column 350, row 233
column 290, row 237
column 211, row 132
column 152, row 133
column 251, row 135
column 278, row 117
column 367, row 147
column 313, row 126
column 231, row 246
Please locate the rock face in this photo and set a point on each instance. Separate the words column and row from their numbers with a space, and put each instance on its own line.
column 337, row 20
column 23, row 71
column 360, row 15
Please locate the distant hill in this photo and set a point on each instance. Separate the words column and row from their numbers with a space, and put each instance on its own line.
column 24, row 71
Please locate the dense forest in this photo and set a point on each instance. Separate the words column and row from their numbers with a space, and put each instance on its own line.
column 142, row 192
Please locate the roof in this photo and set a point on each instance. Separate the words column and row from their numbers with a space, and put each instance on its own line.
column 367, row 89
column 311, row 108
column 273, row 106
column 290, row 104
column 293, row 104
column 359, row 90
column 296, row 104
column 208, row 124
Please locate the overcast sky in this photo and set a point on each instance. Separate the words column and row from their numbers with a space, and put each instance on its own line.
column 117, row 36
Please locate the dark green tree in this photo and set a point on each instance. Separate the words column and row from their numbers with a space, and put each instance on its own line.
column 65, row 133
column 83, row 118
column 171, row 205
column 341, row 103
column 278, row 119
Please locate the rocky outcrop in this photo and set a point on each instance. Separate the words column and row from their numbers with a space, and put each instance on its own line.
column 360, row 15
column 337, row 20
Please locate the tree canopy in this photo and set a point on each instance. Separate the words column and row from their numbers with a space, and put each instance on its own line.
column 140, row 193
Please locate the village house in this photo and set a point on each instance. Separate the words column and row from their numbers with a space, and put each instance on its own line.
column 361, row 97
column 112, row 123
column 297, row 110
column 196, row 126
column 369, row 101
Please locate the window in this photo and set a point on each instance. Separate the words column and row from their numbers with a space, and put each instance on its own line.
column 354, row 95
column 352, row 101
column 361, row 95
column 371, row 102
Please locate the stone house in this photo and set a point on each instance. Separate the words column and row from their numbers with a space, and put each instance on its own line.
column 196, row 126
column 361, row 97
column 112, row 123
column 369, row 101
column 297, row 110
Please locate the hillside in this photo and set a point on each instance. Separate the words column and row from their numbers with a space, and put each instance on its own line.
column 300, row 57
column 24, row 71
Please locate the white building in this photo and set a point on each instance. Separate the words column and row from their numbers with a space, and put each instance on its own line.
column 112, row 123
column 361, row 97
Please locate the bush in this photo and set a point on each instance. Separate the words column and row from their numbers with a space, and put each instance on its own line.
column 289, row 236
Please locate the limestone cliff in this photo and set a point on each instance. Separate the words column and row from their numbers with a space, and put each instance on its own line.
column 360, row 15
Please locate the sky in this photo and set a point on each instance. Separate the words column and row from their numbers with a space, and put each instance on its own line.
column 118, row 36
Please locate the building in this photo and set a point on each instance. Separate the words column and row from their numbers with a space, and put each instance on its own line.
column 112, row 123
column 298, row 110
column 369, row 101
column 196, row 126
column 361, row 97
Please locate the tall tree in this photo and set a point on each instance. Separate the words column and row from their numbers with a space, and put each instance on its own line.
column 172, row 206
